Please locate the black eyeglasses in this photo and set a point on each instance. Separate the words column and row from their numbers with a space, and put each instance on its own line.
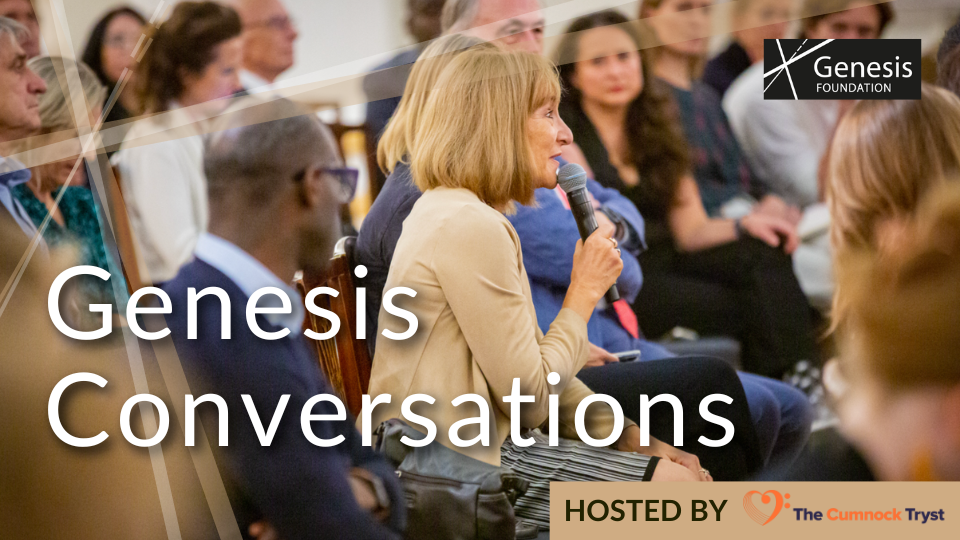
column 346, row 181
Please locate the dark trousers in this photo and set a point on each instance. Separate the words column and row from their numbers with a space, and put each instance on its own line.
column 690, row 379
column 744, row 289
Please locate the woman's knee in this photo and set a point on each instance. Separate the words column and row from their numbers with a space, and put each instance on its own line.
column 715, row 373
column 765, row 408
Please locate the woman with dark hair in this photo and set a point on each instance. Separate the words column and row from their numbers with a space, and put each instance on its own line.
column 716, row 276
column 191, row 65
column 728, row 187
column 109, row 52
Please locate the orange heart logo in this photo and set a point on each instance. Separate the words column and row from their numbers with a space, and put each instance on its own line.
column 755, row 513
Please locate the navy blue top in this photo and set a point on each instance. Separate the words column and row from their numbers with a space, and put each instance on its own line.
column 384, row 88
column 548, row 236
column 724, row 68
column 378, row 239
column 719, row 165
column 301, row 489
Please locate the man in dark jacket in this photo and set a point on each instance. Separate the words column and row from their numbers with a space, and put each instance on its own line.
column 275, row 188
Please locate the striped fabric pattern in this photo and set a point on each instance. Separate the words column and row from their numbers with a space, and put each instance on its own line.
column 570, row 461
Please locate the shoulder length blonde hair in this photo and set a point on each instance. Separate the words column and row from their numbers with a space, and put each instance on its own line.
column 886, row 156
column 473, row 130
column 903, row 298
column 396, row 143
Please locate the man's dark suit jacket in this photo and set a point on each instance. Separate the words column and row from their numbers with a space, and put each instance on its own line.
column 301, row 489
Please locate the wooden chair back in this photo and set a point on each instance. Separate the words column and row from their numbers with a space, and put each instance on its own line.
column 344, row 359
column 117, row 211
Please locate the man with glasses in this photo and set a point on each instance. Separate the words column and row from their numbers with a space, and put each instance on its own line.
column 275, row 188
column 268, row 37
column 515, row 24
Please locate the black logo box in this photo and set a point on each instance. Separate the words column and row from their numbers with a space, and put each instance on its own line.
column 892, row 58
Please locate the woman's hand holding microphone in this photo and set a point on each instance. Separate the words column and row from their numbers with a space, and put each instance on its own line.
column 596, row 267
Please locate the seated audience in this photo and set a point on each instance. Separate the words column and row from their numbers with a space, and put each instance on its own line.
column 109, row 52
column 785, row 140
column 548, row 234
column 899, row 340
column 275, row 190
column 268, row 37
column 716, row 276
column 75, row 220
column 727, row 186
column 377, row 242
column 462, row 256
column 22, row 11
column 20, row 89
column 948, row 60
column 194, row 60
column 753, row 21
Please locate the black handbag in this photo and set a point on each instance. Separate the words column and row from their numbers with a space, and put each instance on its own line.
column 450, row 496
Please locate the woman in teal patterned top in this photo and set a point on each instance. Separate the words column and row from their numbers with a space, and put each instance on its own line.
column 76, row 220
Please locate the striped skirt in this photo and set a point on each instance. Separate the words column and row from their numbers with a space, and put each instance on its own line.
column 570, row 461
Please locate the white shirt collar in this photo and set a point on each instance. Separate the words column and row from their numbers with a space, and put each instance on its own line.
column 250, row 275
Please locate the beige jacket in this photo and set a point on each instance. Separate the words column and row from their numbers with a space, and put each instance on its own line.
column 477, row 329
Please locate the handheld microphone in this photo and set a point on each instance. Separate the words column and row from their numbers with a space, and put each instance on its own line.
column 573, row 181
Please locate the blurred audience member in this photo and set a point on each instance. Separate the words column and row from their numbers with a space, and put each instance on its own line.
column 193, row 62
column 715, row 276
column 276, row 185
column 461, row 210
column 54, row 491
column 385, row 85
column 753, row 21
column 786, row 140
column 23, row 12
column 948, row 60
column 886, row 156
column 20, row 89
column 899, row 341
column 76, row 219
column 268, row 37
column 516, row 24
column 728, row 187
column 109, row 53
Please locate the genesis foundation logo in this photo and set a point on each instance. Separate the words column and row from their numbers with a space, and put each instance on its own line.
column 841, row 69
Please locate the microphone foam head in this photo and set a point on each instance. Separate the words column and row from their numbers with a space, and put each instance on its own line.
column 571, row 177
